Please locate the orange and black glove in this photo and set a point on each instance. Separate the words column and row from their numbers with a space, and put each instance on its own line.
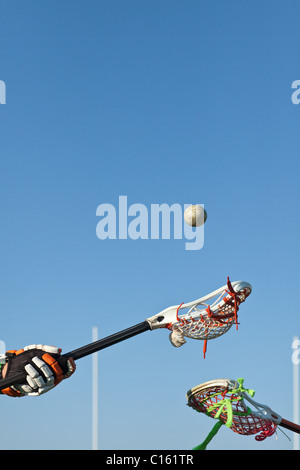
column 44, row 365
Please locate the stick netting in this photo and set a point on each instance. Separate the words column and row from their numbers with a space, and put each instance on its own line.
column 229, row 407
column 208, row 321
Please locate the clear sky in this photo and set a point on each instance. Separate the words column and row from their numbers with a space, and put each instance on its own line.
column 164, row 102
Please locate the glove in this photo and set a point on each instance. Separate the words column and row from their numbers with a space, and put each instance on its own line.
column 45, row 368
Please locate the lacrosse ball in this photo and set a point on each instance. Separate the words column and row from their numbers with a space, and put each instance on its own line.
column 195, row 215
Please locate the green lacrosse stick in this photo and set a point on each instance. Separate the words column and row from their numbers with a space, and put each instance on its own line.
column 226, row 401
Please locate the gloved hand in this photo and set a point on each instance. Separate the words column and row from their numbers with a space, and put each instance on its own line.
column 45, row 368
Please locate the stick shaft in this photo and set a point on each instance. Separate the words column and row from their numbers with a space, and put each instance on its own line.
column 108, row 341
column 289, row 425
column 86, row 350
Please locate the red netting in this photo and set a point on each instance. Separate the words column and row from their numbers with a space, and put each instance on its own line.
column 207, row 323
column 243, row 420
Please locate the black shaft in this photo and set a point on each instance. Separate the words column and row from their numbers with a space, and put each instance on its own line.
column 108, row 341
column 86, row 350
column 289, row 425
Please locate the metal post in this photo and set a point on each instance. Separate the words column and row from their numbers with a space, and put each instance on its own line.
column 95, row 399
column 295, row 361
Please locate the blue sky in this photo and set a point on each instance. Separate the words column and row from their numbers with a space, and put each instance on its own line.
column 164, row 102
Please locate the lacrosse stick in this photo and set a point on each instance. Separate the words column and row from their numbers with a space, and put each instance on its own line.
column 226, row 400
column 206, row 318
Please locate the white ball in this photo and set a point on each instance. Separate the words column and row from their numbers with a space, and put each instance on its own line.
column 195, row 215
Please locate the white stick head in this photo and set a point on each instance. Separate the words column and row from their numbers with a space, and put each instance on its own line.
column 205, row 318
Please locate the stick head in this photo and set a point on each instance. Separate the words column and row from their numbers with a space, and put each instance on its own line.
column 205, row 318
column 226, row 400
